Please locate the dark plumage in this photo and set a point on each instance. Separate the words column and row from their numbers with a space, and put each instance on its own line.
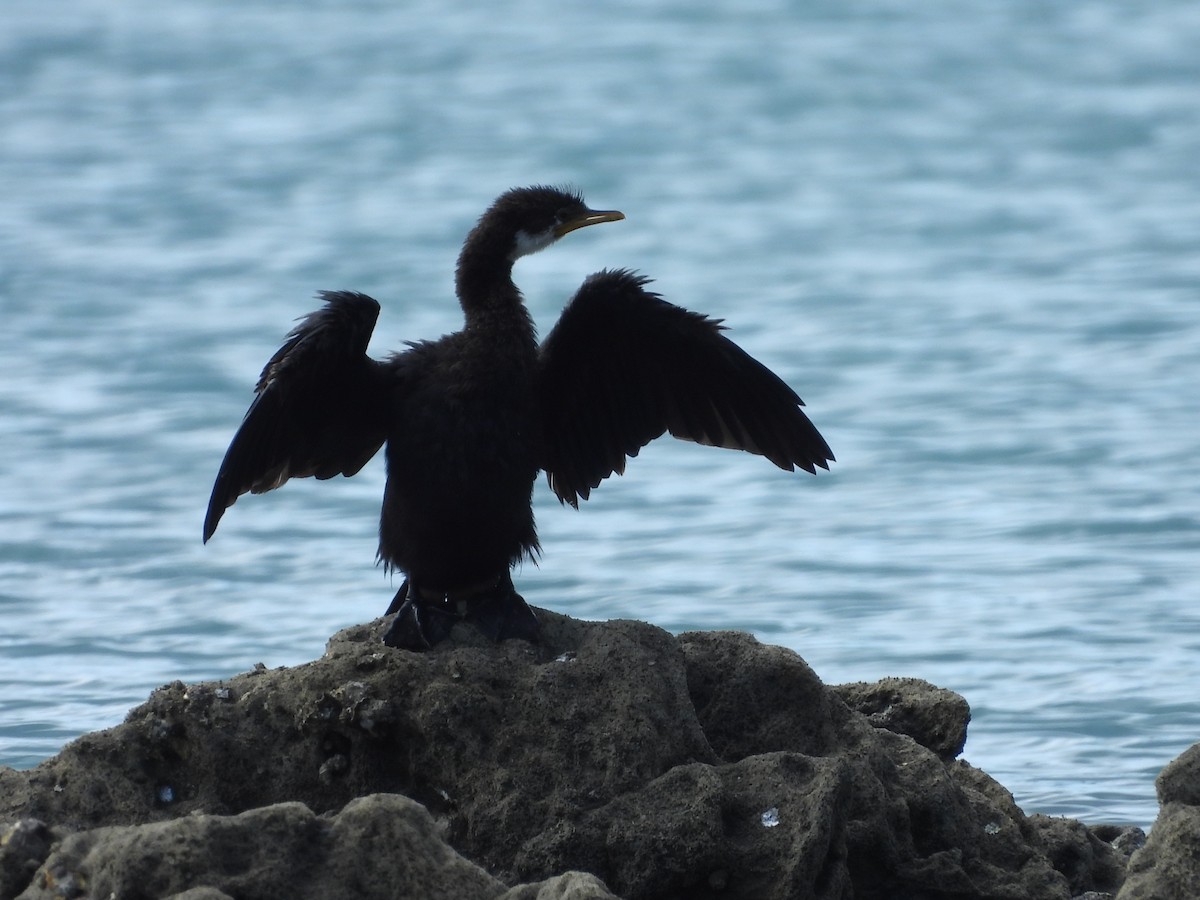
column 470, row 419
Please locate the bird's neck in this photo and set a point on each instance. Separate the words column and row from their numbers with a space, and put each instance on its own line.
column 489, row 297
column 484, row 283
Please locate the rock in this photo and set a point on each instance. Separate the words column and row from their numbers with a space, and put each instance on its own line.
column 1087, row 860
column 1124, row 839
column 24, row 845
column 750, row 698
column 932, row 716
column 382, row 846
column 1179, row 782
column 612, row 759
column 569, row 886
column 1168, row 866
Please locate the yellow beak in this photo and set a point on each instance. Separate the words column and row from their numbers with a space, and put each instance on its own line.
column 591, row 217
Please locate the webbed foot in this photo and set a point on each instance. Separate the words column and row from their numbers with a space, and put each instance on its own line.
column 501, row 613
column 419, row 624
column 422, row 621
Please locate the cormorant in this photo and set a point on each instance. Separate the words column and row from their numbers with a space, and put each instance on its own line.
column 469, row 419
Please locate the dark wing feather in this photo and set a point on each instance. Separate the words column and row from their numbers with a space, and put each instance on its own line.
column 622, row 366
column 320, row 408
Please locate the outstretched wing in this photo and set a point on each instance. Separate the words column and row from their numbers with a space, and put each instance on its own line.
column 320, row 409
column 622, row 366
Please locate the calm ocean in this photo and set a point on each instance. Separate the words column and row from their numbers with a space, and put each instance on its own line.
column 967, row 233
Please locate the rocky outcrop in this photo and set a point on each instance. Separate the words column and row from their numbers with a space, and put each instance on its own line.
column 612, row 759
column 932, row 716
column 381, row 846
column 1168, row 866
column 284, row 850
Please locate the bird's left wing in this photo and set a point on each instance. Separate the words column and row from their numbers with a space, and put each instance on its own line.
column 622, row 366
column 320, row 409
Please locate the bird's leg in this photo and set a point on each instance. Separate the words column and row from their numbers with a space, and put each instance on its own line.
column 424, row 620
column 419, row 623
column 398, row 600
column 501, row 613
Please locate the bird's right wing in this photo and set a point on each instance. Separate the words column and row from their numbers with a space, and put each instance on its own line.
column 622, row 366
column 320, row 409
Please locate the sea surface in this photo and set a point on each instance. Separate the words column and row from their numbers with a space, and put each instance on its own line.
column 967, row 233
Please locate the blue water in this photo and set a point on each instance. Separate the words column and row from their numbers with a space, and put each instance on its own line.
column 969, row 235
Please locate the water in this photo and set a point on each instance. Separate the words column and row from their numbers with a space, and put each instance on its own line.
column 966, row 233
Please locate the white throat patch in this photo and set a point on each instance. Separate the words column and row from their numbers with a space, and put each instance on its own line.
column 531, row 243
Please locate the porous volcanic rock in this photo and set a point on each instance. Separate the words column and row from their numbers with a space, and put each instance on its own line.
column 703, row 766
column 382, row 846
column 1168, row 866
column 932, row 716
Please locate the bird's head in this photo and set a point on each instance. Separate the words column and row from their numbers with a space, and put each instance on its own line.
column 533, row 218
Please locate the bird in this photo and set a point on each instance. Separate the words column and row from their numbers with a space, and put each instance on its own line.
column 471, row 418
